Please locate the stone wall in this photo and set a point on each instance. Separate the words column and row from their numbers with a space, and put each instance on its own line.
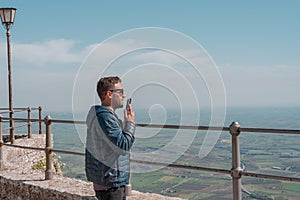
column 21, row 190
column 18, row 181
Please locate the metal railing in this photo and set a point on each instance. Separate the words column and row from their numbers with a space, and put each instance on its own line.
column 236, row 171
column 29, row 121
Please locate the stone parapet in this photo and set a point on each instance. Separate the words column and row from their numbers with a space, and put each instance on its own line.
column 18, row 181
column 25, row 190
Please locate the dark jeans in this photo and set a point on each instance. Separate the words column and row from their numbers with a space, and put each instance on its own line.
column 111, row 194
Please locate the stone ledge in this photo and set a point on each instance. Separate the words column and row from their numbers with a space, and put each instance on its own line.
column 34, row 187
column 34, row 190
column 19, row 181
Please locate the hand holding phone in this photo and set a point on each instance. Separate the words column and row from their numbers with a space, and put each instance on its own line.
column 127, row 104
column 128, row 112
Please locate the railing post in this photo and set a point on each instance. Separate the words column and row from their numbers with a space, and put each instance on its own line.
column 40, row 120
column 128, row 187
column 48, row 150
column 1, row 145
column 11, row 125
column 236, row 169
column 29, row 122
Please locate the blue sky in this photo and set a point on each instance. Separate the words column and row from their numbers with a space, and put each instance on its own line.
column 255, row 45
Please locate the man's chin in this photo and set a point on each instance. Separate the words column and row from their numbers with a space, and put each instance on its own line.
column 120, row 106
column 117, row 107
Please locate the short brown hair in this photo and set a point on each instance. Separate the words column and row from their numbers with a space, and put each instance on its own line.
column 105, row 84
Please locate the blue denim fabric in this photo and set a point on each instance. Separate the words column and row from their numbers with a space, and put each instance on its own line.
column 107, row 148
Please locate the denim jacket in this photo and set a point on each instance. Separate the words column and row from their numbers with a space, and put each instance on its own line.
column 108, row 146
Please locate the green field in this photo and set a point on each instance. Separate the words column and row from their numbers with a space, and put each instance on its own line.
column 259, row 153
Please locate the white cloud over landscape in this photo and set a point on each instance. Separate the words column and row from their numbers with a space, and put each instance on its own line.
column 53, row 51
column 44, row 73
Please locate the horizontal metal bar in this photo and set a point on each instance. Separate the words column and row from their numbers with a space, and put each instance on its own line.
column 35, row 108
column 18, row 108
column 15, row 110
column 43, row 149
column 7, row 128
column 224, row 171
column 23, row 119
column 258, row 130
column 268, row 176
column 24, row 147
column 20, row 126
column 183, row 127
column 67, row 121
column 265, row 130
column 7, row 121
column 166, row 126
column 135, row 161
column 68, row 152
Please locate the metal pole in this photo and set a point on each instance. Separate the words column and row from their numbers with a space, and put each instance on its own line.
column 128, row 187
column 48, row 150
column 40, row 120
column 29, row 122
column 1, row 145
column 11, row 112
column 236, row 169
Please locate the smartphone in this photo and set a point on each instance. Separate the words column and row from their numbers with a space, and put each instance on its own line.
column 127, row 104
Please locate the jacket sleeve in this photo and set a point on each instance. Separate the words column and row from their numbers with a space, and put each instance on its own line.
column 122, row 139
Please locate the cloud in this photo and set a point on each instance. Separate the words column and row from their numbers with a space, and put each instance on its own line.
column 245, row 85
column 58, row 51
column 144, row 68
column 43, row 72
column 261, row 85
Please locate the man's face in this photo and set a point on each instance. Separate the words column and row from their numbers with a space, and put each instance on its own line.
column 118, row 96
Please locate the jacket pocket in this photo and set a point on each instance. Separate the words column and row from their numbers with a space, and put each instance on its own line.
column 111, row 175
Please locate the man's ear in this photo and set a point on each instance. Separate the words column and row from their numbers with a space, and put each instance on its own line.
column 108, row 95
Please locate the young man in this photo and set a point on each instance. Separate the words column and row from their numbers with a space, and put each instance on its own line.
column 109, row 141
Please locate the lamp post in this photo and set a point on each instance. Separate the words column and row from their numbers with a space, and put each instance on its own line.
column 7, row 17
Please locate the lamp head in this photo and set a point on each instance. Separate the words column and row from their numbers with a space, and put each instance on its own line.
column 7, row 16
